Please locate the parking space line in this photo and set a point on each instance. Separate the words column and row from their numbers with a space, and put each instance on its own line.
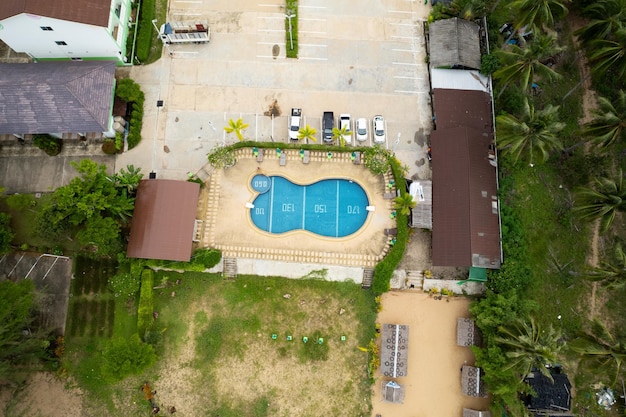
column 313, row 58
column 270, row 30
column 312, row 7
column 272, row 43
column 408, row 78
column 403, row 50
column 405, row 63
column 312, row 32
column 314, row 45
column 404, row 37
column 268, row 5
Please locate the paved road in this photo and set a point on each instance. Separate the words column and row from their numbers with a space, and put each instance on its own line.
column 363, row 60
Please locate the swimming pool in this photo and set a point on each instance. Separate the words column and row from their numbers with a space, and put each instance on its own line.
column 332, row 207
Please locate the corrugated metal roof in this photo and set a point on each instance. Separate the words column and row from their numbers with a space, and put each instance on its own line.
column 467, row 108
column 466, row 227
column 456, row 79
column 163, row 220
column 454, row 43
column 91, row 12
column 56, row 97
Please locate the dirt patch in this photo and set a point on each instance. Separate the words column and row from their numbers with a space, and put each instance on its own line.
column 44, row 396
column 273, row 109
column 433, row 381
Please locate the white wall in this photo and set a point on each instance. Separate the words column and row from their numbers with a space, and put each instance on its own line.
column 23, row 33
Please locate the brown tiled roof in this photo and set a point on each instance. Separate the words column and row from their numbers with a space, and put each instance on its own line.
column 91, row 12
column 56, row 97
column 163, row 221
column 466, row 225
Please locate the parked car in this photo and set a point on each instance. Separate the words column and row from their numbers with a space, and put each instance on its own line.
column 378, row 125
column 361, row 129
column 295, row 122
column 344, row 121
column 328, row 122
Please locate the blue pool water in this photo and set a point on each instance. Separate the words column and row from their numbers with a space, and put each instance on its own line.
column 333, row 207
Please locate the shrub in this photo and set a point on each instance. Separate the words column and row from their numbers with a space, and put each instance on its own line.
column 145, row 33
column 124, row 284
column 123, row 357
column 20, row 202
column 129, row 91
column 108, row 147
column 207, row 257
column 489, row 64
column 50, row 145
column 146, row 302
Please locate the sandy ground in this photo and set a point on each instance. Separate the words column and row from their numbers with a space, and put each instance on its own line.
column 433, row 384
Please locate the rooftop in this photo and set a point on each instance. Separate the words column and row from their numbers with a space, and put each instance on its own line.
column 91, row 12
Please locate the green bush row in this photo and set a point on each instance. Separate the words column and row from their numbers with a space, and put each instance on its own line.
column 146, row 302
column 130, row 91
column 145, row 33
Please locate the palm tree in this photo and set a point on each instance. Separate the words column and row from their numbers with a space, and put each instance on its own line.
column 307, row 133
column 236, row 126
column 602, row 202
column 534, row 133
column 128, row 178
column 468, row 9
column 601, row 348
column 612, row 274
column 520, row 65
column 609, row 55
column 338, row 134
column 528, row 346
column 538, row 13
column 609, row 125
column 607, row 17
column 404, row 203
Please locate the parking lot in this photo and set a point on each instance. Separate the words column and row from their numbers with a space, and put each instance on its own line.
column 363, row 59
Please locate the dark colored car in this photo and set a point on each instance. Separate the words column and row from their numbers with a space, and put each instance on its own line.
column 328, row 122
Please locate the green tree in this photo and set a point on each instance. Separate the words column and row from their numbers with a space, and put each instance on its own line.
column 468, row 9
column 609, row 55
column 404, row 203
column 21, row 345
column 532, row 135
column 123, row 357
column 101, row 234
column 523, row 66
column 237, row 127
column 607, row 17
column 601, row 349
column 609, row 123
column 538, row 14
column 376, row 159
column 528, row 346
column 612, row 273
column 6, row 233
column 307, row 133
column 602, row 201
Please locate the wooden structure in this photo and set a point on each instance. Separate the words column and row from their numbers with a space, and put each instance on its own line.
column 392, row 392
column 394, row 353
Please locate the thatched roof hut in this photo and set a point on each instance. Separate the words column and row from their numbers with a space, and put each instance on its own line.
column 467, row 334
column 454, row 43
column 472, row 384
column 475, row 413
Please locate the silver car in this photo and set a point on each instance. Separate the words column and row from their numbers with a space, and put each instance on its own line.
column 361, row 129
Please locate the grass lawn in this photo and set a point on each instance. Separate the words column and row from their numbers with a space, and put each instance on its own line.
column 216, row 353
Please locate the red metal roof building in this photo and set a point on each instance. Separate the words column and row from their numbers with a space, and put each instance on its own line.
column 164, row 220
column 466, row 219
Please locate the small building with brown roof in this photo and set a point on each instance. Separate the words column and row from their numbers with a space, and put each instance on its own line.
column 164, row 219
column 67, row 29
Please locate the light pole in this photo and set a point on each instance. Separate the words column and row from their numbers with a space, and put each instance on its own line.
column 289, row 17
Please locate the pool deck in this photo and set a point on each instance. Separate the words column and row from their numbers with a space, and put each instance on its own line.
column 227, row 225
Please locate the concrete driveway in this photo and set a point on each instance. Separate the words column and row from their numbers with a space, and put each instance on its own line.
column 363, row 59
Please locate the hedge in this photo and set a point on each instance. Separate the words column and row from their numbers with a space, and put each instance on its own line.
column 145, row 33
column 146, row 302
column 130, row 91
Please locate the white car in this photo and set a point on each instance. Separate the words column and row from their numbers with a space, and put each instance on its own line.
column 344, row 121
column 378, row 124
column 361, row 129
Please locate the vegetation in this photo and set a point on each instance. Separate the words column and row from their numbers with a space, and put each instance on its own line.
column 130, row 92
column 307, row 133
column 146, row 302
column 222, row 157
column 237, row 127
column 145, row 33
column 49, row 144
column 291, row 36
column 6, row 233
